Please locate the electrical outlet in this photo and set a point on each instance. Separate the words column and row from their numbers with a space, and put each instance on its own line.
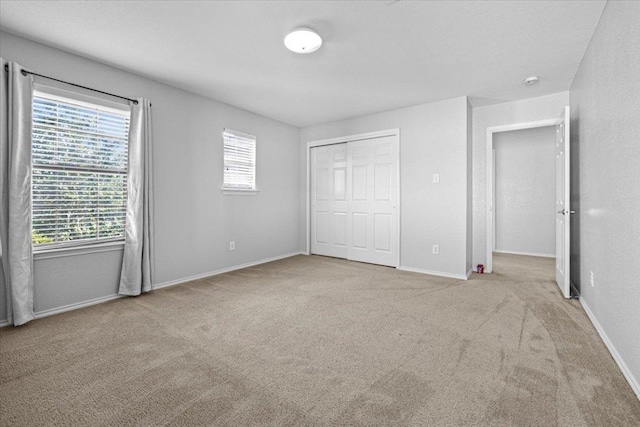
column 436, row 178
column 232, row 245
column 436, row 249
column 591, row 278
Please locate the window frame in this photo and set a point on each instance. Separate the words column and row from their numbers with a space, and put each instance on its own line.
column 239, row 191
column 63, row 95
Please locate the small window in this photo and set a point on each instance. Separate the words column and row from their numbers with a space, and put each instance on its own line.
column 79, row 171
column 239, row 161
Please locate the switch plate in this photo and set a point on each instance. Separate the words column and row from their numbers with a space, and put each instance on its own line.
column 591, row 278
column 436, row 249
column 232, row 245
column 436, row 178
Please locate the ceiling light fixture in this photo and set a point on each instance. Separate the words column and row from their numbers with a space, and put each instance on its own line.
column 303, row 40
column 531, row 80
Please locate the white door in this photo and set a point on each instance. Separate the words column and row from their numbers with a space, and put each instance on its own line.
column 372, row 187
column 329, row 200
column 563, row 208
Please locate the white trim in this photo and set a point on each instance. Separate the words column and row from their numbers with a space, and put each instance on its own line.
column 339, row 140
column 469, row 273
column 75, row 306
column 308, row 205
column 239, row 192
column 436, row 273
column 633, row 382
column 105, row 103
column 224, row 270
column 488, row 266
column 355, row 137
column 78, row 250
column 527, row 254
column 78, row 305
column 239, row 134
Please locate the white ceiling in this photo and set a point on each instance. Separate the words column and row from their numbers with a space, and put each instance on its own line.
column 376, row 56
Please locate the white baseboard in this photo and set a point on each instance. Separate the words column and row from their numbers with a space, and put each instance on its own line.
column 436, row 273
column 526, row 253
column 224, row 270
column 100, row 300
column 633, row 382
column 70, row 307
column 469, row 273
column 75, row 306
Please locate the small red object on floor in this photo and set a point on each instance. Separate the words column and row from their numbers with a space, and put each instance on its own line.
column 480, row 268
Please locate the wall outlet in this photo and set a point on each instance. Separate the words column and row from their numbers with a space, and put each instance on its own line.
column 436, row 249
column 232, row 245
column 436, row 178
column 591, row 278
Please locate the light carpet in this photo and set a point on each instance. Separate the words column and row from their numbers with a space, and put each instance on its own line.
column 318, row 341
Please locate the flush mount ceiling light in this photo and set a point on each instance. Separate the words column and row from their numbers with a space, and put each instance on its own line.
column 531, row 80
column 303, row 40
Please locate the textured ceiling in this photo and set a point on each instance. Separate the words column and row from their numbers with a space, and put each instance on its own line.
column 376, row 56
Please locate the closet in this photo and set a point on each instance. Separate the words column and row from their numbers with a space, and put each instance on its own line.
column 354, row 200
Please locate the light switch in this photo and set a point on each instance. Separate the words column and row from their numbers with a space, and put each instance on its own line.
column 436, row 178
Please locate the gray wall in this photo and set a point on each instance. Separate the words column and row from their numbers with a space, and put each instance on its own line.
column 605, row 154
column 526, row 110
column 525, row 191
column 433, row 139
column 194, row 221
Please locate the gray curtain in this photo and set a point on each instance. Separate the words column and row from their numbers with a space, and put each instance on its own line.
column 16, row 96
column 138, row 262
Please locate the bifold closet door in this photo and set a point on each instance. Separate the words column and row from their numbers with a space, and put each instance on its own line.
column 329, row 200
column 372, row 186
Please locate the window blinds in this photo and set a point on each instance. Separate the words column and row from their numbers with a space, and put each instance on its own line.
column 79, row 171
column 239, row 160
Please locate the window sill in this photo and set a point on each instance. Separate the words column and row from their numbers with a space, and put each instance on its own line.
column 239, row 192
column 65, row 251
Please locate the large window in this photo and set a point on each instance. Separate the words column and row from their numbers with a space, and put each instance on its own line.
column 239, row 161
column 79, row 170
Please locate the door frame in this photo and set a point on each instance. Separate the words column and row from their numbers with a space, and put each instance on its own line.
column 395, row 133
column 490, row 227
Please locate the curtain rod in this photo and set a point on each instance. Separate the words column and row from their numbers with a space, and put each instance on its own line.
column 25, row 72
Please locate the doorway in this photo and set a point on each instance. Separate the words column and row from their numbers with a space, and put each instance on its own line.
column 524, row 192
column 353, row 197
column 562, row 200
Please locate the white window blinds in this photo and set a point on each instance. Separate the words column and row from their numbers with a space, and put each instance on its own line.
column 79, row 171
column 239, row 160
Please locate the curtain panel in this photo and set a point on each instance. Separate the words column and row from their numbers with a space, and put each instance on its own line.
column 16, row 97
column 138, row 262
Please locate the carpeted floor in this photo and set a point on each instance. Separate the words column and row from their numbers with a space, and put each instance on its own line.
column 318, row 341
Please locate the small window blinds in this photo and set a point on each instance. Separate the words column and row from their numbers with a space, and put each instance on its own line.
column 239, row 160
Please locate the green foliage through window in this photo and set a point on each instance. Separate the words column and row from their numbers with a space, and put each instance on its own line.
column 79, row 175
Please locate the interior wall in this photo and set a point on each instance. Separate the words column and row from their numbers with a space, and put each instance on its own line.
column 194, row 220
column 525, row 191
column 605, row 151
column 526, row 110
column 433, row 139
